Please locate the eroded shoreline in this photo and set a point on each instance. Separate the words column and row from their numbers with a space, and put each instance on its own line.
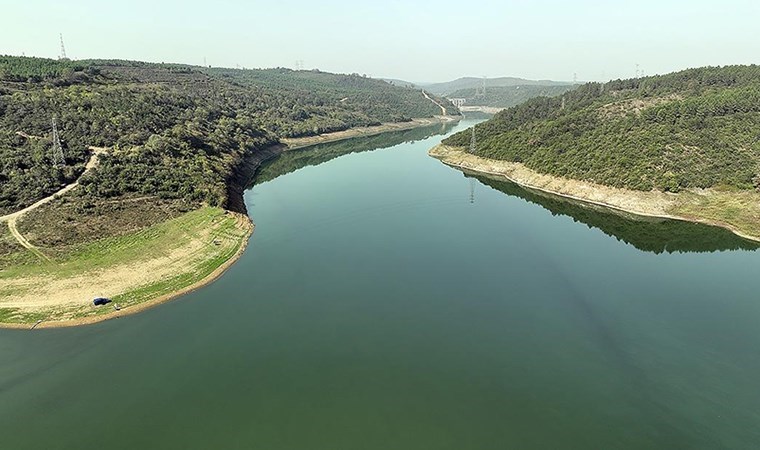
column 693, row 206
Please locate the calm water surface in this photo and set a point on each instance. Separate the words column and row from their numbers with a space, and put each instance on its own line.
column 390, row 302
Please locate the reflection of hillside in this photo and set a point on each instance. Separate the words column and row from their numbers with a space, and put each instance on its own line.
column 645, row 233
column 293, row 160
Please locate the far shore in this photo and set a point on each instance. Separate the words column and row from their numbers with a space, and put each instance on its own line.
column 297, row 143
column 710, row 207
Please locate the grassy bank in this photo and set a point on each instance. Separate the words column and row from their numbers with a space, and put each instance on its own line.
column 136, row 270
column 736, row 210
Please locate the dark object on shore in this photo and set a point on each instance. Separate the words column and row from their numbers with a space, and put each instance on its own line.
column 116, row 307
column 101, row 301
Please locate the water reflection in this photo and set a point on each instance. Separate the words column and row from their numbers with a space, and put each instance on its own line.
column 293, row 160
column 648, row 234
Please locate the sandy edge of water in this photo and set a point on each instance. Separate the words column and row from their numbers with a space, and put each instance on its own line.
column 650, row 204
column 127, row 311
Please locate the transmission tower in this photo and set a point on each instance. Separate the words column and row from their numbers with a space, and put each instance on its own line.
column 473, row 142
column 58, row 159
column 63, row 50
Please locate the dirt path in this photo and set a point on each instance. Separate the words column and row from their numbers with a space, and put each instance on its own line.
column 443, row 109
column 13, row 218
column 22, row 240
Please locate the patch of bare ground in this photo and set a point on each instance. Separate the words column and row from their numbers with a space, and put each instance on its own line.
column 72, row 220
column 633, row 106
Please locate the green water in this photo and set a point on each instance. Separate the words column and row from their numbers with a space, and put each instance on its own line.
column 390, row 302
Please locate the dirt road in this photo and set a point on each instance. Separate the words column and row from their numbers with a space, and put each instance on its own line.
column 13, row 218
column 443, row 110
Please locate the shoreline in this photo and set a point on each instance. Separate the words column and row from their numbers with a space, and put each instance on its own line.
column 142, row 306
column 252, row 169
column 336, row 136
column 651, row 204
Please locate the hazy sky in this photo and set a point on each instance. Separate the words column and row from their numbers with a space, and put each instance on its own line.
column 412, row 40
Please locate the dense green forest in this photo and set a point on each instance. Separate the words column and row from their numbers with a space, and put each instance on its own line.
column 508, row 96
column 177, row 132
column 696, row 128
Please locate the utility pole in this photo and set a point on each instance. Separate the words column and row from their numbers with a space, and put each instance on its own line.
column 58, row 158
column 63, row 50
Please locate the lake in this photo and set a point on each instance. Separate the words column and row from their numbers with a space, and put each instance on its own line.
column 387, row 301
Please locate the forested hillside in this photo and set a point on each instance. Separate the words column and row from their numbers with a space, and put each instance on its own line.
column 175, row 132
column 508, row 96
column 697, row 128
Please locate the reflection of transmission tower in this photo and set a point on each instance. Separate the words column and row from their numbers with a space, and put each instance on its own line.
column 473, row 142
column 58, row 159
column 472, row 191
column 63, row 51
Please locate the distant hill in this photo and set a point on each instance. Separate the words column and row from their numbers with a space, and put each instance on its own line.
column 449, row 87
column 508, row 96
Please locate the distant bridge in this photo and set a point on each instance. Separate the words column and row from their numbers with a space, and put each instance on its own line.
column 458, row 102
